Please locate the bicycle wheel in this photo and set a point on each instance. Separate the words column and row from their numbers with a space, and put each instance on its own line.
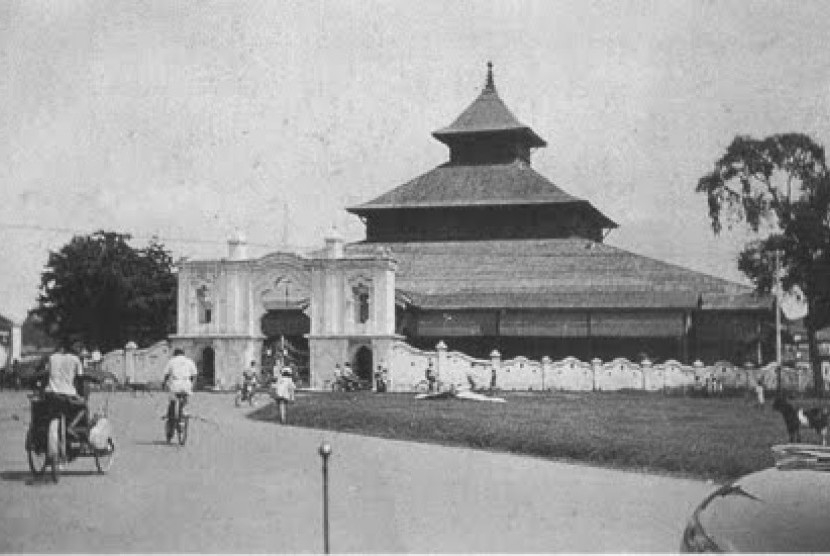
column 53, row 447
column 283, row 410
column 104, row 458
column 37, row 460
column 182, row 429
column 170, row 422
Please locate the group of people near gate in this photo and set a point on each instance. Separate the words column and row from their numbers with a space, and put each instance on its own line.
column 346, row 379
column 281, row 381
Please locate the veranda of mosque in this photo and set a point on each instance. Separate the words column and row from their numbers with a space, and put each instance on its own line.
column 481, row 254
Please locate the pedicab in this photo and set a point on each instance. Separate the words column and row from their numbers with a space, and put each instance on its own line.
column 61, row 429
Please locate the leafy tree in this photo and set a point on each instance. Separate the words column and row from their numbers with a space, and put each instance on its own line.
column 780, row 188
column 101, row 291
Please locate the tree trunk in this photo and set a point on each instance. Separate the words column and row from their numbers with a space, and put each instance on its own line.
column 815, row 363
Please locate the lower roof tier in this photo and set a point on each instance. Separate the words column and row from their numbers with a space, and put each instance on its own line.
column 563, row 274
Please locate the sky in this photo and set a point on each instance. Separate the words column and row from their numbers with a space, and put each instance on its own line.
column 189, row 120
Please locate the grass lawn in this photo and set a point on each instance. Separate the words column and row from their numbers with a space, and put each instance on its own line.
column 709, row 438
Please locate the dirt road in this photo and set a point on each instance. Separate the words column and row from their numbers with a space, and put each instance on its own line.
column 247, row 486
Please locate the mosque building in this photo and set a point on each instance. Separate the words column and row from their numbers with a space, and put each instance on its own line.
column 482, row 253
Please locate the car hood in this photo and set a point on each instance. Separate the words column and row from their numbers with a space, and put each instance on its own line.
column 773, row 510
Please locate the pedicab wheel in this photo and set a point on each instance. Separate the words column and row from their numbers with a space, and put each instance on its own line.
column 53, row 447
column 170, row 422
column 182, row 430
column 169, row 429
column 37, row 461
column 104, row 458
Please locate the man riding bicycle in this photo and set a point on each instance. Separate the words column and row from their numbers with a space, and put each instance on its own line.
column 180, row 372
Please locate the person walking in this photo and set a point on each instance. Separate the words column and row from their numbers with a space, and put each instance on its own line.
column 759, row 392
column 284, row 392
column 431, row 378
column 380, row 380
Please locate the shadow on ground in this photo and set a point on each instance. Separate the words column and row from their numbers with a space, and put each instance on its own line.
column 155, row 443
column 37, row 480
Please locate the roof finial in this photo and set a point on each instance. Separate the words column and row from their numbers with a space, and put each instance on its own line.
column 489, row 85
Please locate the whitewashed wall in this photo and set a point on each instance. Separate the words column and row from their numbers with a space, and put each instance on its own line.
column 138, row 365
column 408, row 365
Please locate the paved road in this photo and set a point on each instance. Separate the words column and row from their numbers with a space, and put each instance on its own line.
column 247, row 486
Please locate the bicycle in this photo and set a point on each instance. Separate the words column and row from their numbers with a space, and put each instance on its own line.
column 247, row 393
column 423, row 386
column 347, row 384
column 176, row 421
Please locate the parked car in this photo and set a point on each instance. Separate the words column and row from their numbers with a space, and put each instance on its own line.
column 780, row 509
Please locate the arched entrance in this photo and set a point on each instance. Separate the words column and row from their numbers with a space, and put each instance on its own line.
column 285, row 341
column 208, row 374
column 363, row 363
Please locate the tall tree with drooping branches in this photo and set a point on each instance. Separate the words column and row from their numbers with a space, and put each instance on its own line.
column 779, row 187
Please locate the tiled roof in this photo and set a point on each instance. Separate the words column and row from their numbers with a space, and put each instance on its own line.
column 450, row 185
column 551, row 273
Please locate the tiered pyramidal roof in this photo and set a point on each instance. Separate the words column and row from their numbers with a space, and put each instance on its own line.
column 489, row 168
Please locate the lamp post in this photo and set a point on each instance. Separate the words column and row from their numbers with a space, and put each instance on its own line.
column 325, row 452
column 778, row 293
column 285, row 282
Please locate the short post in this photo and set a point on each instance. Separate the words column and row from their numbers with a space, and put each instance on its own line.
column 129, row 362
column 325, row 452
column 596, row 369
column 648, row 374
column 545, row 371
column 495, row 368
column 441, row 366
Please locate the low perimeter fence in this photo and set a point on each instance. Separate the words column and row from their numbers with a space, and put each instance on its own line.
column 138, row 366
column 407, row 372
column 408, row 365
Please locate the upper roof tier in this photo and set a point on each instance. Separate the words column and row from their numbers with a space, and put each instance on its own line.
column 487, row 189
column 488, row 116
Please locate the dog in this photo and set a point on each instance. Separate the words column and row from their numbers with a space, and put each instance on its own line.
column 817, row 418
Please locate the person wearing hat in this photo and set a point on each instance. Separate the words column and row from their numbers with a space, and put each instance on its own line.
column 284, row 391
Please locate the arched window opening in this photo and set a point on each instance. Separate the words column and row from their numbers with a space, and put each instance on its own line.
column 361, row 303
column 205, row 304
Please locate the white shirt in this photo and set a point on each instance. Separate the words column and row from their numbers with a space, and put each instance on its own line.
column 285, row 388
column 180, row 369
column 63, row 368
